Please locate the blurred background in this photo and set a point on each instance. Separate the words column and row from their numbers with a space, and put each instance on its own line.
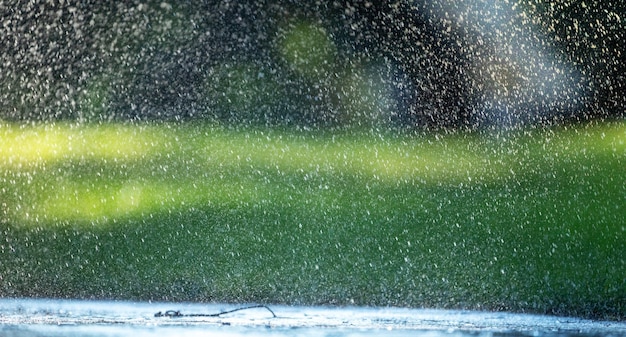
column 317, row 64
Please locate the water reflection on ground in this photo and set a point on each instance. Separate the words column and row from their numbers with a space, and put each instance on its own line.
column 28, row 317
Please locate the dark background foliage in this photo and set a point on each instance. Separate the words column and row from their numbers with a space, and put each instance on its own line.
column 444, row 65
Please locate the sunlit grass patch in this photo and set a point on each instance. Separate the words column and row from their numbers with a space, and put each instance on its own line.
column 84, row 202
column 92, row 172
column 46, row 143
column 447, row 161
column 426, row 159
column 42, row 167
column 73, row 201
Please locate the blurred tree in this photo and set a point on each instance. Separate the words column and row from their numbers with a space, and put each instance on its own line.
column 435, row 63
column 591, row 34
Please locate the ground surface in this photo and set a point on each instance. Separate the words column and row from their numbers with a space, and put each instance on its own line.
column 93, row 318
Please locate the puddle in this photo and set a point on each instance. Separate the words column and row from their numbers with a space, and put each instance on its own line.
column 28, row 317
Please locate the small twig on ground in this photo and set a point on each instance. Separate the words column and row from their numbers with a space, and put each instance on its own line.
column 177, row 313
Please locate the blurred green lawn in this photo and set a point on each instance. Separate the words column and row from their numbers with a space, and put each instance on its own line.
column 531, row 220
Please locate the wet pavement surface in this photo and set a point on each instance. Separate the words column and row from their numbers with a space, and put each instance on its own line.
column 28, row 317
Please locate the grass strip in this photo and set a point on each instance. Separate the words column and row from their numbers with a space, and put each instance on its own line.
column 529, row 221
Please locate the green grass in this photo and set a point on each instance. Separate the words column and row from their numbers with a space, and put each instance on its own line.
column 526, row 221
